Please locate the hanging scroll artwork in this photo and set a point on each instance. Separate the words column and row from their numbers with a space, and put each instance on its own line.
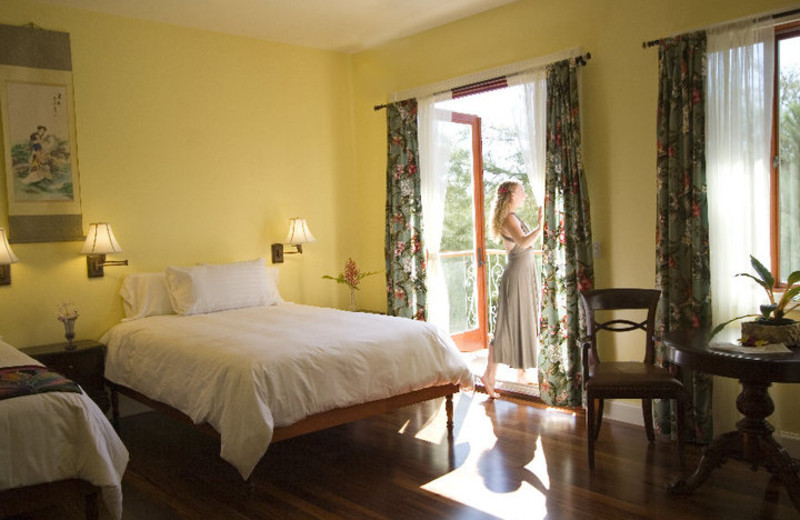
column 39, row 144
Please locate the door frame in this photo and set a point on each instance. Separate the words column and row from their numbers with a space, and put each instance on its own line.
column 476, row 339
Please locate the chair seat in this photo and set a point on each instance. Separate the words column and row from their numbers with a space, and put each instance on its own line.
column 616, row 376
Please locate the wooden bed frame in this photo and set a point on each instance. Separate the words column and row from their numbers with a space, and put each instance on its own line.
column 311, row 423
column 38, row 496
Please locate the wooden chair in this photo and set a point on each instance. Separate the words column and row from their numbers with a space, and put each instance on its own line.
column 625, row 379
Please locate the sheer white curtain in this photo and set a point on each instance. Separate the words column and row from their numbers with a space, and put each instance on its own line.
column 434, row 156
column 531, row 127
column 738, row 133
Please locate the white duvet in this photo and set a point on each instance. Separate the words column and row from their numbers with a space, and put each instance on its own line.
column 247, row 371
column 55, row 436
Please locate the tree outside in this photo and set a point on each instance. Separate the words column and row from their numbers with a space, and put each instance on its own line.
column 789, row 180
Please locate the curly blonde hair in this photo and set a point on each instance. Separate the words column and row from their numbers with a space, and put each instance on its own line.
column 502, row 205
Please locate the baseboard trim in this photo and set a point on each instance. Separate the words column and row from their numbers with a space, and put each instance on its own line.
column 790, row 441
column 632, row 414
column 623, row 412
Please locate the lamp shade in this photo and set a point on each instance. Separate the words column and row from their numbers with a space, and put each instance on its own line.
column 100, row 240
column 6, row 254
column 299, row 232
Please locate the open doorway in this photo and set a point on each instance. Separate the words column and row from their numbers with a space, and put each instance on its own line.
column 487, row 146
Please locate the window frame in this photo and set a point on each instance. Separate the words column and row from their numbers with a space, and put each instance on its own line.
column 782, row 32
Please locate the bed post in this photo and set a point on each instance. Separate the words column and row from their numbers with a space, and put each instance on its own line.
column 448, row 406
column 114, row 405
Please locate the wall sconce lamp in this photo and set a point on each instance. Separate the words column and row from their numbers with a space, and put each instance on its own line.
column 299, row 234
column 7, row 258
column 100, row 242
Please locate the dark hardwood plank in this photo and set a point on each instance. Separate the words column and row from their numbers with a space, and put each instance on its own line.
column 508, row 460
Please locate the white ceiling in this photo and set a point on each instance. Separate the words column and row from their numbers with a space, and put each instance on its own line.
column 338, row 25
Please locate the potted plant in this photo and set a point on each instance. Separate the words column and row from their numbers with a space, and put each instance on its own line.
column 771, row 325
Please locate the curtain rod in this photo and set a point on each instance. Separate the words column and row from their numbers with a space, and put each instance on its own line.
column 581, row 59
column 782, row 14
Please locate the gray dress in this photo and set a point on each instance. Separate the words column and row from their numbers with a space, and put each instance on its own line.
column 516, row 331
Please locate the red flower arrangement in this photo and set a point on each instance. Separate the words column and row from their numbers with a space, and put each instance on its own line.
column 351, row 277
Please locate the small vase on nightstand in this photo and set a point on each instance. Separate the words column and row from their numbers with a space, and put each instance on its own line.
column 352, row 299
column 69, row 332
column 67, row 314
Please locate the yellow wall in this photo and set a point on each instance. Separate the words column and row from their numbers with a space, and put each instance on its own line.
column 619, row 116
column 196, row 147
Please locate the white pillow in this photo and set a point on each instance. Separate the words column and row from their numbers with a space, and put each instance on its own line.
column 273, row 274
column 210, row 288
column 145, row 294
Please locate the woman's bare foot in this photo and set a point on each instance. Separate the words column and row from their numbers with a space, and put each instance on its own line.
column 522, row 377
column 489, row 386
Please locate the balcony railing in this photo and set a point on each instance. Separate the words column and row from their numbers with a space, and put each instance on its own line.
column 460, row 275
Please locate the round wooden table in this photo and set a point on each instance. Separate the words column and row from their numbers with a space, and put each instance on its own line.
column 752, row 441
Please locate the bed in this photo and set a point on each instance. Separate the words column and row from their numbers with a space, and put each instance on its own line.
column 54, row 442
column 217, row 345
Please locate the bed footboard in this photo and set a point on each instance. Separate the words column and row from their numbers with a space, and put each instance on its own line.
column 312, row 423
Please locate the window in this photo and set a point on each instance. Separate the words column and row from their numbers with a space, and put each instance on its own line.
column 785, row 184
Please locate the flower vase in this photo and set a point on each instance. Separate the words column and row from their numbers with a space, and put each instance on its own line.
column 69, row 332
column 352, row 299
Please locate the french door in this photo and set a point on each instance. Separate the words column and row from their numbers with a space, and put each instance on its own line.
column 463, row 253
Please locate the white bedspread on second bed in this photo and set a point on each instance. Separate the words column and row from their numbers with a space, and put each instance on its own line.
column 247, row 371
column 55, row 436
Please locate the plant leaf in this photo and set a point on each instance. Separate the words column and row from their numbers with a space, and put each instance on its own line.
column 793, row 278
column 721, row 326
column 763, row 272
column 761, row 283
column 790, row 308
column 788, row 296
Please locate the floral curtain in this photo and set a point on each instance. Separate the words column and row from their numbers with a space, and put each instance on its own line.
column 567, row 241
column 405, row 258
column 682, row 254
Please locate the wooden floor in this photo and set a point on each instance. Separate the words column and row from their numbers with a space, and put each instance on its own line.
column 508, row 460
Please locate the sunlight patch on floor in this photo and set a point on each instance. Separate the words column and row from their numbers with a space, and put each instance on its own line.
column 402, row 429
column 435, row 430
column 477, row 365
column 562, row 411
column 477, row 483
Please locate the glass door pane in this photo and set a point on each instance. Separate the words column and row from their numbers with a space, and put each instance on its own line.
column 462, row 249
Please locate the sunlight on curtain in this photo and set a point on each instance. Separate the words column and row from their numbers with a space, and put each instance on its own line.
column 568, row 266
column 738, row 126
column 434, row 155
column 739, row 88
column 405, row 260
column 531, row 128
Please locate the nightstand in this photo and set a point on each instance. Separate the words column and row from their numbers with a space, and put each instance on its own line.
column 85, row 365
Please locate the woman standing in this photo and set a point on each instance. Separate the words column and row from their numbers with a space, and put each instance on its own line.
column 516, row 331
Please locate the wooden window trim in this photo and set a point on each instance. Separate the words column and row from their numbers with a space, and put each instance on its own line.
column 782, row 32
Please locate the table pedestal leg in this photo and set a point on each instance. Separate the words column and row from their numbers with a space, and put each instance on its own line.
column 752, row 443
